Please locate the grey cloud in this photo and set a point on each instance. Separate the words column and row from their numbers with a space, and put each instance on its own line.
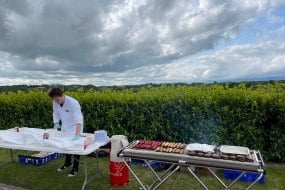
column 246, row 61
column 236, row 63
column 102, row 36
column 53, row 28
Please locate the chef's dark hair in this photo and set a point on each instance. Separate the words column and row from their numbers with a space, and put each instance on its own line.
column 55, row 92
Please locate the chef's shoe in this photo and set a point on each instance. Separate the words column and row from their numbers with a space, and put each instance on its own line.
column 73, row 172
column 64, row 167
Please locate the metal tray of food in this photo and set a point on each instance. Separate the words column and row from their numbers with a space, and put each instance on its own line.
column 200, row 147
column 225, row 149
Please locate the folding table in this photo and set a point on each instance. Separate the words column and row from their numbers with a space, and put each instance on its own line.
column 31, row 139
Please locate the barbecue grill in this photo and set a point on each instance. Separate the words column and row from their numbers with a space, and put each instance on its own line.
column 226, row 159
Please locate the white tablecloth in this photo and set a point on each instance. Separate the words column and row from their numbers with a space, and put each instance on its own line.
column 32, row 139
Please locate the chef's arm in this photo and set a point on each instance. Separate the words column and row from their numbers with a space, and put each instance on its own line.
column 55, row 114
column 78, row 129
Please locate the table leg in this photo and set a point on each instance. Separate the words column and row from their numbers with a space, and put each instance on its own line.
column 11, row 157
column 85, row 174
column 97, row 164
column 97, row 170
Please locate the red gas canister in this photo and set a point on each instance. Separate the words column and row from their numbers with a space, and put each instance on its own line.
column 119, row 172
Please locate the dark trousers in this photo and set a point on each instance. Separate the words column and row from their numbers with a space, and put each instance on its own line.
column 75, row 160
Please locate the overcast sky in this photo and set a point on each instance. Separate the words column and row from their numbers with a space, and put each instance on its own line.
column 125, row 42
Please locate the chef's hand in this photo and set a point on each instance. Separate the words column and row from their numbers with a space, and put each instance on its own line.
column 75, row 138
column 56, row 126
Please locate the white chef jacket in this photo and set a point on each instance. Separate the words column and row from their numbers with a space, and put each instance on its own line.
column 69, row 113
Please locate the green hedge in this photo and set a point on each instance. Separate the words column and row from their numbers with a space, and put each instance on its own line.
column 214, row 114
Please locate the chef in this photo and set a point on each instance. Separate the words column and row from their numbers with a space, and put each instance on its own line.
column 67, row 112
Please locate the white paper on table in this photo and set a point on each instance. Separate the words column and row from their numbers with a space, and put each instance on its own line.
column 11, row 137
column 31, row 130
column 33, row 137
column 55, row 142
column 74, row 145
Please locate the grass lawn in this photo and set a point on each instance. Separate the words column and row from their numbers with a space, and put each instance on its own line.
column 46, row 177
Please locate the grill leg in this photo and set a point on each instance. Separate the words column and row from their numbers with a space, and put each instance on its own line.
column 134, row 174
column 152, row 170
column 159, row 178
column 166, row 177
column 250, row 186
column 217, row 177
column 197, row 178
column 236, row 179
